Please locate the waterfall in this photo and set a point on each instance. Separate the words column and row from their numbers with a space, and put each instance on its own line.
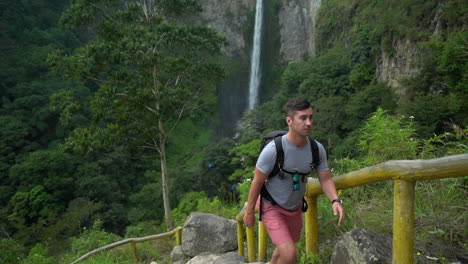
column 254, row 83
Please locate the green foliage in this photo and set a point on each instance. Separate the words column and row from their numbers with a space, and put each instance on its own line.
column 71, row 104
column 322, row 258
column 325, row 76
column 245, row 156
column 144, row 228
column 146, row 207
column 364, row 102
column 449, row 143
column 13, row 137
column 454, row 13
column 214, row 170
column 80, row 213
column 386, row 138
column 186, row 144
column 438, row 94
column 152, row 71
column 46, row 182
column 38, row 255
column 200, row 202
column 11, row 251
column 92, row 239
column 188, row 203
column 32, row 205
column 217, row 207
column 334, row 23
column 439, row 223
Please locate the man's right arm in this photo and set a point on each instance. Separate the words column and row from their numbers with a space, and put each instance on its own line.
column 257, row 184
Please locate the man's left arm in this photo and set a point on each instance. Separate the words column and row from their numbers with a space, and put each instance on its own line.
column 329, row 189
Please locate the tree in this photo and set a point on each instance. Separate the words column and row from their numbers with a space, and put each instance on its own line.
column 152, row 70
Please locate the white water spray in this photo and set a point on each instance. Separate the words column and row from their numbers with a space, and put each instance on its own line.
column 255, row 64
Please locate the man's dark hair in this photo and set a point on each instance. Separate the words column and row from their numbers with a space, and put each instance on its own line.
column 294, row 105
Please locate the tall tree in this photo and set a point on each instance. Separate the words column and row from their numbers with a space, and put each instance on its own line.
column 151, row 66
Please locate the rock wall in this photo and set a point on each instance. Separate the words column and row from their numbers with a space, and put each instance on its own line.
column 297, row 20
column 394, row 67
column 229, row 17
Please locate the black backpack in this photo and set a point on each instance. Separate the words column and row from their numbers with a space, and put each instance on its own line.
column 278, row 167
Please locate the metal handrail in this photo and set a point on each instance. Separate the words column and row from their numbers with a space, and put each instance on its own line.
column 404, row 173
column 176, row 231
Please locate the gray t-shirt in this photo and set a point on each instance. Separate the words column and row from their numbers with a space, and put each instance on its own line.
column 296, row 159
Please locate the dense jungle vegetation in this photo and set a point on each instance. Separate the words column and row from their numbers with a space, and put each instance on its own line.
column 85, row 147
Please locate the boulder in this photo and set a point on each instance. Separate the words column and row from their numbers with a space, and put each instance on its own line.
column 362, row 246
column 204, row 232
column 177, row 255
column 204, row 258
column 217, row 258
column 230, row 258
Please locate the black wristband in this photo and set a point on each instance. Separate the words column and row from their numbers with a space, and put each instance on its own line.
column 337, row 200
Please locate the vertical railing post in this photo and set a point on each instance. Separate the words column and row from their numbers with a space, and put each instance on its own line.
column 250, row 244
column 311, row 225
column 403, row 221
column 134, row 252
column 262, row 242
column 179, row 236
column 240, row 238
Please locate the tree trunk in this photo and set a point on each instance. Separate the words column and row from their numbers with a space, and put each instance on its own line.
column 165, row 188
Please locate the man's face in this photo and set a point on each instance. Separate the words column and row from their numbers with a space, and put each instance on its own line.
column 302, row 122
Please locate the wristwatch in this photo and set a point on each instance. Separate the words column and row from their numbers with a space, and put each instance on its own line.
column 337, row 200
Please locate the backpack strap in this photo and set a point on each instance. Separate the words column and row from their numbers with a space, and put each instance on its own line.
column 315, row 153
column 279, row 163
column 278, row 168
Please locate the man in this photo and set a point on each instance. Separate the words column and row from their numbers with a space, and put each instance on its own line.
column 282, row 217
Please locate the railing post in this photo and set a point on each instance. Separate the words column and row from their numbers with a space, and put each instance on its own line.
column 403, row 221
column 311, row 225
column 240, row 238
column 134, row 252
column 250, row 244
column 179, row 236
column 262, row 242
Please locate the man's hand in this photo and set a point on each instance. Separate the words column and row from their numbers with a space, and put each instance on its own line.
column 338, row 210
column 249, row 219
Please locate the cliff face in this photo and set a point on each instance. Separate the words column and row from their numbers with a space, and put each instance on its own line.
column 229, row 17
column 401, row 64
column 297, row 28
column 297, row 20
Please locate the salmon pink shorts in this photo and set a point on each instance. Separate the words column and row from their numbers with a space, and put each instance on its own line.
column 282, row 225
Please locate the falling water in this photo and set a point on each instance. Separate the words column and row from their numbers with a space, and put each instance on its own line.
column 255, row 64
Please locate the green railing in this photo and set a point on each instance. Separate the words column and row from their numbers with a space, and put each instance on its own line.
column 133, row 241
column 404, row 174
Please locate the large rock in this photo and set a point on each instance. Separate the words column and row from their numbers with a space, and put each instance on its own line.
column 177, row 255
column 208, row 233
column 362, row 246
column 217, row 258
column 230, row 258
column 204, row 258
